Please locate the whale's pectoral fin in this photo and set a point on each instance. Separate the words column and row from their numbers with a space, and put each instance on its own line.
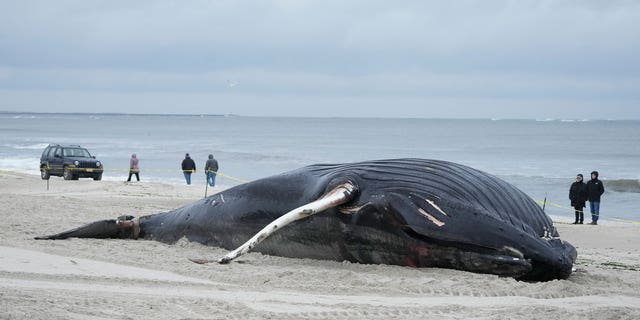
column 121, row 228
column 333, row 198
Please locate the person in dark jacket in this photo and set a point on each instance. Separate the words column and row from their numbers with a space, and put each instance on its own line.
column 578, row 196
column 188, row 167
column 595, row 189
column 210, row 170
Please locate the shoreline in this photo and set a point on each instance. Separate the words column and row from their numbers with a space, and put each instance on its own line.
column 84, row 278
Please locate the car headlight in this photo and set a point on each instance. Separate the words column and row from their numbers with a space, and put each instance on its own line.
column 98, row 163
column 77, row 163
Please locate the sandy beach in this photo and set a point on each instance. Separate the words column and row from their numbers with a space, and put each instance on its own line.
column 136, row 279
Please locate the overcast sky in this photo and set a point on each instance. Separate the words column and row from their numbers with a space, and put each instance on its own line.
column 458, row 59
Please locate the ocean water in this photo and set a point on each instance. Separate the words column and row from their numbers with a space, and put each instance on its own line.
column 541, row 157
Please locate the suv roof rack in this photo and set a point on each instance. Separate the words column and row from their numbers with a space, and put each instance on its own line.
column 66, row 145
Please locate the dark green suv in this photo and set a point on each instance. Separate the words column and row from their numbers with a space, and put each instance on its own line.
column 69, row 161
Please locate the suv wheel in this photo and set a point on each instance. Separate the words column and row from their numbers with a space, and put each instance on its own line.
column 97, row 177
column 67, row 174
column 44, row 173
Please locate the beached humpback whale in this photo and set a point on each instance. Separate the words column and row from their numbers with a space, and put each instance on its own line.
column 409, row 212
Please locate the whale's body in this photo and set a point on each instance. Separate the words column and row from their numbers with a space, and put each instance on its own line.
column 413, row 212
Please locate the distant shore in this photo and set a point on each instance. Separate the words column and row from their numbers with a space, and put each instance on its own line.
column 561, row 119
column 94, row 278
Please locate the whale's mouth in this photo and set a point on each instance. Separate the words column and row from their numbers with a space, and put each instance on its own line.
column 506, row 261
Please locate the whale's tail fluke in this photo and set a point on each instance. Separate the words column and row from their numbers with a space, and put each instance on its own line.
column 123, row 227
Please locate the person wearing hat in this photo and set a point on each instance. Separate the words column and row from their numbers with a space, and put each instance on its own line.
column 210, row 170
column 188, row 167
column 595, row 189
column 578, row 197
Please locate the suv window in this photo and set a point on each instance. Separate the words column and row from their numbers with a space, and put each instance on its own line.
column 58, row 152
column 76, row 152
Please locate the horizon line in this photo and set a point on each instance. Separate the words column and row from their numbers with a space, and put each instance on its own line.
column 549, row 119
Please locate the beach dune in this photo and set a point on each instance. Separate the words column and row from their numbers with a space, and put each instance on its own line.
column 122, row 279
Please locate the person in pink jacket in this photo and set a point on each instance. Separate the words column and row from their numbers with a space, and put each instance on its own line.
column 133, row 167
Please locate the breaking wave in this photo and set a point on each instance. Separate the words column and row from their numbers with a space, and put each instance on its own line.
column 37, row 146
column 623, row 185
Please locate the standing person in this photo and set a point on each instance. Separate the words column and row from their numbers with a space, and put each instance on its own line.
column 188, row 167
column 133, row 167
column 595, row 189
column 578, row 196
column 211, row 169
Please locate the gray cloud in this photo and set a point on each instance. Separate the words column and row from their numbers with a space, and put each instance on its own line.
column 517, row 58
